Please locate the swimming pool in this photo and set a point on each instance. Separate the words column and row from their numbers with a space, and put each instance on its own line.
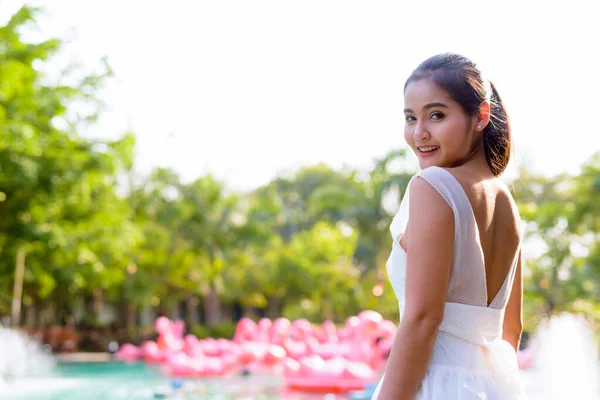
column 118, row 381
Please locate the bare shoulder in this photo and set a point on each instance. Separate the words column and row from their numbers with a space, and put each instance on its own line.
column 424, row 196
column 431, row 221
column 506, row 206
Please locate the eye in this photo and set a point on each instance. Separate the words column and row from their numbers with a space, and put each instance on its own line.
column 410, row 118
column 437, row 115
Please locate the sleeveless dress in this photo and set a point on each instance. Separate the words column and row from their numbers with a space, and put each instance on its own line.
column 470, row 361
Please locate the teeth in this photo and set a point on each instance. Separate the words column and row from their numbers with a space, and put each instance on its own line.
column 428, row 149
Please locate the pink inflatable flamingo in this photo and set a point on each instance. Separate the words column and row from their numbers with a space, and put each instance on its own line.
column 329, row 332
column 347, row 333
column 245, row 330
column 295, row 349
column 386, row 332
column 338, row 374
column 169, row 335
column 364, row 349
column 151, row 352
column 128, row 352
column 280, row 330
column 301, row 329
column 264, row 329
column 178, row 329
column 184, row 366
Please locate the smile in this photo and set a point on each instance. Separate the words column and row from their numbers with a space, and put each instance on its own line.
column 428, row 149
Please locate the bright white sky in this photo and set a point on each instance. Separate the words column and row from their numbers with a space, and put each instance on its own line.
column 244, row 89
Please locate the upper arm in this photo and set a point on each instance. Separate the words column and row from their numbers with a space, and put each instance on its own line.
column 513, row 318
column 430, row 250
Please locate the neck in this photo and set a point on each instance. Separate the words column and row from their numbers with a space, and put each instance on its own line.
column 475, row 160
column 479, row 163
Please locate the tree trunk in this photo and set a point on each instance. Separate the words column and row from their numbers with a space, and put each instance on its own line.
column 248, row 311
column 163, row 310
column 227, row 312
column 274, row 307
column 50, row 314
column 191, row 313
column 174, row 314
column 327, row 308
column 30, row 317
column 18, row 287
column 98, row 304
column 131, row 320
column 212, row 308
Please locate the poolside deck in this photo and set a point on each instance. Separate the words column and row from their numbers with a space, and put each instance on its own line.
column 84, row 357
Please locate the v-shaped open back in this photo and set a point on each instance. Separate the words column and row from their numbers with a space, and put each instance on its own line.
column 468, row 281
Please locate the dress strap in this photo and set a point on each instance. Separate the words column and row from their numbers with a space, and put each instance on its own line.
column 400, row 220
column 448, row 187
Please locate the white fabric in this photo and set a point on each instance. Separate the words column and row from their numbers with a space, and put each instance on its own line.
column 470, row 360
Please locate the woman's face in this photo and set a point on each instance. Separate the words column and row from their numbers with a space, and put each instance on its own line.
column 437, row 127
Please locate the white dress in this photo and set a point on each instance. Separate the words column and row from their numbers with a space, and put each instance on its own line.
column 470, row 360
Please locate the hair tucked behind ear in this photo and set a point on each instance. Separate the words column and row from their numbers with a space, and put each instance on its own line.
column 464, row 82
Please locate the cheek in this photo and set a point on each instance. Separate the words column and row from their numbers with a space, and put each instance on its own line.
column 408, row 136
column 453, row 135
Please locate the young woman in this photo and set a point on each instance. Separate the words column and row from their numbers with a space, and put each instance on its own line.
column 455, row 263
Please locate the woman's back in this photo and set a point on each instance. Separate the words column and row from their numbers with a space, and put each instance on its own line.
column 497, row 221
column 486, row 235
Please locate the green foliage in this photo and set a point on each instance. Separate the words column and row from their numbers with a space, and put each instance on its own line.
column 201, row 331
column 224, row 330
column 58, row 190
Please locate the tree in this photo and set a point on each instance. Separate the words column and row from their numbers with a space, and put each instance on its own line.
column 557, row 215
column 57, row 189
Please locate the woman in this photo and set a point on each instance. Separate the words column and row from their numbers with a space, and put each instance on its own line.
column 456, row 262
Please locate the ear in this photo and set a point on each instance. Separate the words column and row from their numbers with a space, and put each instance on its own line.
column 482, row 119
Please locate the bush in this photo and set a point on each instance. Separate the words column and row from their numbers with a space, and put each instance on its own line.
column 200, row 331
column 223, row 330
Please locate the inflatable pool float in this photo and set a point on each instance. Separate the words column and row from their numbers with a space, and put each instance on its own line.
column 336, row 375
column 324, row 385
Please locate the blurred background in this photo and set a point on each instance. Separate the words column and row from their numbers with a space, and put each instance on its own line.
column 209, row 161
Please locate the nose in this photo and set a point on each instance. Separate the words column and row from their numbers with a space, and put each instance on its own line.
column 420, row 131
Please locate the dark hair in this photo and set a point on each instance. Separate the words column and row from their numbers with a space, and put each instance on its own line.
column 463, row 81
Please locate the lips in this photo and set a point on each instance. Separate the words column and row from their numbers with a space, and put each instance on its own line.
column 428, row 149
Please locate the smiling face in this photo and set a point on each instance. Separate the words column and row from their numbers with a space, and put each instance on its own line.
column 437, row 128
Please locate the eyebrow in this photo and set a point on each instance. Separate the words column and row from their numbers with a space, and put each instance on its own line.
column 427, row 106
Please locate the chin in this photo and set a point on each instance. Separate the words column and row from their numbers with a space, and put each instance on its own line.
column 427, row 163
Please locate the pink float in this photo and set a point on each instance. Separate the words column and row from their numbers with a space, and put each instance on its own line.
column 128, row 352
column 526, row 357
column 311, row 358
column 313, row 374
column 337, row 365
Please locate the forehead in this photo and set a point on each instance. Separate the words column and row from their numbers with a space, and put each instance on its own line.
column 424, row 91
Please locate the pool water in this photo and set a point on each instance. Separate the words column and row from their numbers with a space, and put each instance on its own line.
column 118, row 381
